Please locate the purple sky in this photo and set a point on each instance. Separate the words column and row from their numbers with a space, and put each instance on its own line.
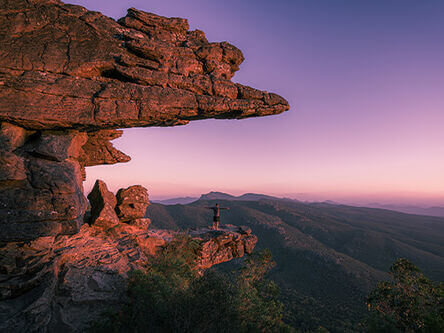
column 365, row 81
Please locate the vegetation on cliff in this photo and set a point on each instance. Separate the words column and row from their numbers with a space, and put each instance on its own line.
column 409, row 303
column 328, row 257
column 172, row 296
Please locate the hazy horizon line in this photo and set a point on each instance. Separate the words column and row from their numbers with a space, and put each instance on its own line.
column 391, row 198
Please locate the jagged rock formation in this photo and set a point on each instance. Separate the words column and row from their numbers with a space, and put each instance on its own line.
column 69, row 77
column 63, row 283
column 55, row 284
column 94, row 72
column 224, row 244
column 41, row 190
column 103, row 205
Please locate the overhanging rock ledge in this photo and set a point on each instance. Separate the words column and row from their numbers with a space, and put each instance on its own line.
column 69, row 77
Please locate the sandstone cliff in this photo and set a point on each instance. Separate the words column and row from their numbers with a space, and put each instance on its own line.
column 69, row 78
column 55, row 284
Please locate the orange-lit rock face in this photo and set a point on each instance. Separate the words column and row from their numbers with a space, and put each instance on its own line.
column 132, row 203
column 69, row 77
column 223, row 245
column 41, row 189
column 65, row 282
column 62, row 66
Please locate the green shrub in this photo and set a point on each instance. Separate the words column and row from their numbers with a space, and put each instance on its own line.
column 410, row 303
column 171, row 296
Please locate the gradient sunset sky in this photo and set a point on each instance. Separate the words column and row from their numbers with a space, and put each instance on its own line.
column 365, row 82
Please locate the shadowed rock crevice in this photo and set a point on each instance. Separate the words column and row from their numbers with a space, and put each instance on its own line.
column 41, row 178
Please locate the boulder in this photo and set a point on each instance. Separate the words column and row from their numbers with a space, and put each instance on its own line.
column 132, row 203
column 11, row 136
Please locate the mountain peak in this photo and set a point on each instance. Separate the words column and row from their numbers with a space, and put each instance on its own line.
column 213, row 195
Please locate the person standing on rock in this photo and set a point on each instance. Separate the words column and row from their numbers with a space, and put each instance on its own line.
column 216, row 217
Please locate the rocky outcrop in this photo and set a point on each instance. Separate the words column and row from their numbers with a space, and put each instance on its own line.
column 223, row 245
column 41, row 191
column 55, row 284
column 103, row 204
column 98, row 149
column 93, row 72
column 132, row 203
column 69, row 77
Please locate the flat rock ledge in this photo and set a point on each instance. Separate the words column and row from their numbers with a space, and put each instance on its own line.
column 55, row 284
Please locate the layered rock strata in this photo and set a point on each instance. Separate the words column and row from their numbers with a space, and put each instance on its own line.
column 41, row 179
column 60, row 284
column 41, row 190
column 62, row 66
column 69, row 77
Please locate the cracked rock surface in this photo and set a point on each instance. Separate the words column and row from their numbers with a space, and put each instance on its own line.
column 69, row 77
column 62, row 66
column 61, row 284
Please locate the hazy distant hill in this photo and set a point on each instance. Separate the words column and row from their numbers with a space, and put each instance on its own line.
column 175, row 201
column 243, row 197
column 410, row 209
column 329, row 255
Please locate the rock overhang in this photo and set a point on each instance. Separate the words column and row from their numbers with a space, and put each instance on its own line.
column 62, row 66
column 69, row 77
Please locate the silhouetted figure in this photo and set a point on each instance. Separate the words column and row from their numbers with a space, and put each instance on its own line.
column 216, row 217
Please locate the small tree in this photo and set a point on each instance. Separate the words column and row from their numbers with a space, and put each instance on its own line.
column 171, row 296
column 409, row 303
column 259, row 308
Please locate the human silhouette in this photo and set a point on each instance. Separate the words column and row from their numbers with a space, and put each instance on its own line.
column 216, row 217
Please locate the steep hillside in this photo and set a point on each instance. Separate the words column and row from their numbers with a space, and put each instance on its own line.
column 329, row 256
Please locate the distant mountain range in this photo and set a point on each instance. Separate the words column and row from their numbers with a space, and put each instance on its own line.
column 409, row 209
column 215, row 196
column 243, row 197
column 176, row 201
column 328, row 256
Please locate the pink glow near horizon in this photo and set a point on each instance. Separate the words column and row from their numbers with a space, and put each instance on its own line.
column 365, row 83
